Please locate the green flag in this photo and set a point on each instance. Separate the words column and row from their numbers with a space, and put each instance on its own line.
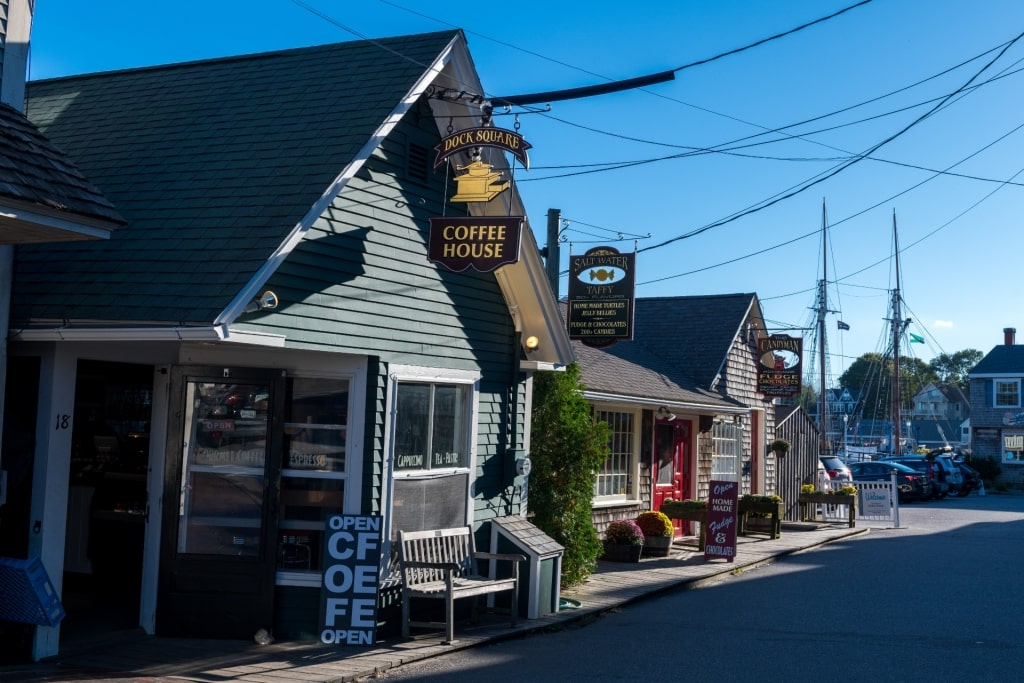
column 914, row 339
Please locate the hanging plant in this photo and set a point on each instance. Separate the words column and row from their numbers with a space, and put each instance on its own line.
column 780, row 447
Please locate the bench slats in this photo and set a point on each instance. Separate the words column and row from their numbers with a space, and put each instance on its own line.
column 441, row 564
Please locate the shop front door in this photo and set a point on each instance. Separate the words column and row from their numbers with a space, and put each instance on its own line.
column 671, row 463
column 218, row 553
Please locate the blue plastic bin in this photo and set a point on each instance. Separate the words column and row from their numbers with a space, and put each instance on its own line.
column 26, row 594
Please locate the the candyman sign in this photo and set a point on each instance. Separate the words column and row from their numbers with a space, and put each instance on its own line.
column 483, row 243
column 511, row 142
column 779, row 366
column 348, row 599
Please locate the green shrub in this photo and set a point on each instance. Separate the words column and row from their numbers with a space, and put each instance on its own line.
column 567, row 449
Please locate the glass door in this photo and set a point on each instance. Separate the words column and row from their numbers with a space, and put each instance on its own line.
column 223, row 473
column 220, row 509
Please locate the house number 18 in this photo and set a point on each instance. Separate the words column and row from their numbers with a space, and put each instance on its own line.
column 63, row 422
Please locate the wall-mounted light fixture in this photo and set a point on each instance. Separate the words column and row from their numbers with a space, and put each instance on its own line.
column 666, row 414
column 267, row 302
column 532, row 343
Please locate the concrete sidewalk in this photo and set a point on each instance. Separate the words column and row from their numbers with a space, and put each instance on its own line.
column 149, row 658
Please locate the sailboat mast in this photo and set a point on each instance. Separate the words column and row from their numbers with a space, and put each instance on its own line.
column 897, row 329
column 822, row 310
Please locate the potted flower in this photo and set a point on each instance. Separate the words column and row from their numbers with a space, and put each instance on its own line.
column 623, row 541
column 780, row 447
column 658, row 532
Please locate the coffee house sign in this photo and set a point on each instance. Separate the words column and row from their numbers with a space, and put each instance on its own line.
column 483, row 243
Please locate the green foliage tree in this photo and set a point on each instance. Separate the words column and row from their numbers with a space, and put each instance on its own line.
column 870, row 377
column 953, row 368
column 567, row 449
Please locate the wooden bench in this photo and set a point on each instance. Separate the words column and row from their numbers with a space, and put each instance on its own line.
column 441, row 564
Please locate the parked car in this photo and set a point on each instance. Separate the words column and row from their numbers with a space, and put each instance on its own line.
column 954, row 477
column 837, row 470
column 910, row 484
column 972, row 479
column 927, row 467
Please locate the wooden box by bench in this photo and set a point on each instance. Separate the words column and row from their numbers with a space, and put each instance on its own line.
column 441, row 564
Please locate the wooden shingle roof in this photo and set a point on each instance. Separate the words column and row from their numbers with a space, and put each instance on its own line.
column 692, row 332
column 211, row 163
column 1005, row 359
column 35, row 174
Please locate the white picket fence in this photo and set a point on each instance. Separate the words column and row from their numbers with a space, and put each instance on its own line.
column 877, row 502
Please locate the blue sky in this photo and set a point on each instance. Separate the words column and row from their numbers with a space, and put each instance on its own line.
column 931, row 89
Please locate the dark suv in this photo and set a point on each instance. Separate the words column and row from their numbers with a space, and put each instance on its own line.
column 910, row 484
column 944, row 479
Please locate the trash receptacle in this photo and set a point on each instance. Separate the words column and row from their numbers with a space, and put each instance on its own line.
column 540, row 579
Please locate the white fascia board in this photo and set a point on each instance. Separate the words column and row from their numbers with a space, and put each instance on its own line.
column 148, row 334
column 77, row 226
column 672, row 405
column 252, row 289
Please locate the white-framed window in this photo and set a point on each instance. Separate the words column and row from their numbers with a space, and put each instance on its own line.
column 1006, row 393
column 726, row 451
column 432, row 446
column 431, row 425
column 1013, row 447
column 616, row 479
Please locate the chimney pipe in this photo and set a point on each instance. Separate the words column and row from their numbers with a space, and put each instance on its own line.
column 1009, row 336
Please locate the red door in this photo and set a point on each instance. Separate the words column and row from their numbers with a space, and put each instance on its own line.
column 671, row 463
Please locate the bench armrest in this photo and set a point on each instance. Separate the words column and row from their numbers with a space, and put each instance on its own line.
column 511, row 557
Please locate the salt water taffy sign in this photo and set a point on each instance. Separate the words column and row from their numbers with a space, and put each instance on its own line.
column 351, row 562
column 601, row 294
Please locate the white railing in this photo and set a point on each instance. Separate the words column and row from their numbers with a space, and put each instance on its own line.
column 878, row 501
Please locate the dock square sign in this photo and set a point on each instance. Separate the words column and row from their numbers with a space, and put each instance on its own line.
column 601, row 296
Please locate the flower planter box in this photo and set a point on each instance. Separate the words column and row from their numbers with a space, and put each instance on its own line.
column 807, row 499
column 615, row 552
column 772, row 524
column 657, row 546
column 700, row 516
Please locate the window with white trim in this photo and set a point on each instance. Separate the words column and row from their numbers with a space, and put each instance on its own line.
column 726, row 440
column 431, row 429
column 432, row 447
column 1007, row 393
column 615, row 479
